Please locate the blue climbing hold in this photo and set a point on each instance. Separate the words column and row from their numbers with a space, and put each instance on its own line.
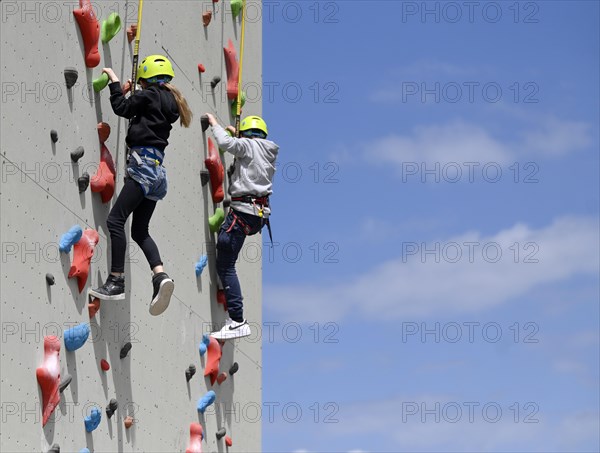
column 206, row 401
column 70, row 238
column 204, row 344
column 84, row 450
column 201, row 264
column 76, row 336
column 93, row 420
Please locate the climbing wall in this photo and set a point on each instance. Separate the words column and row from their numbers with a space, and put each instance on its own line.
column 51, row 334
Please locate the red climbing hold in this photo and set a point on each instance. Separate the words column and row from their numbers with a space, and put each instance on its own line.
column 128, row 421
column 213, row 358
column 221, row 299
column 217, row 172
column 195, row 438
column 90, row 32
column 82, row 255
column 201, row 67
column 206, row 17
column 48, row 377
column 104, row 179
column 104, row 365
column 221, row 377
column 93, row 307
column 131, row 32
column 228, row 441
column 232, row 67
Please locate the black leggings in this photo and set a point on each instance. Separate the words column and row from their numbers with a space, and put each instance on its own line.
column 131, row 199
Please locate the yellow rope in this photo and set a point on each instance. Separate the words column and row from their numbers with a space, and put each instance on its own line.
column 238, row 112
column 136, row 46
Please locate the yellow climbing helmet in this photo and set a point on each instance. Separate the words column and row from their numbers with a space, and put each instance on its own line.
column 254, row 122
column 154, row 65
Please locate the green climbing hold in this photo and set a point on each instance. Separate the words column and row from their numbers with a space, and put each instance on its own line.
column 236, row 7
column 110, row 27
column 234, row 104
column 215, row 221
column 100, row 83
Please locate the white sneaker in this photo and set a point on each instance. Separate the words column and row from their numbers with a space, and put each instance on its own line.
column 232, row 329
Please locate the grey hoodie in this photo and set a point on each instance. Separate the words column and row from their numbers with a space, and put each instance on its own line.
column 254, row 167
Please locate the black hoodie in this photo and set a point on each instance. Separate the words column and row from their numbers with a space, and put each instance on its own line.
column 152, row 111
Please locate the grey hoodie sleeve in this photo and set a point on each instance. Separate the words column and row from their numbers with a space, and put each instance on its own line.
column 239, row 148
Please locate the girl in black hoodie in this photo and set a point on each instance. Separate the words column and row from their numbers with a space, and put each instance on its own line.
column 151, row 112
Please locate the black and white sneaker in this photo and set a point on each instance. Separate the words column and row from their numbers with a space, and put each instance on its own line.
column 232, row 329
column 163, row 289
column 113, row 289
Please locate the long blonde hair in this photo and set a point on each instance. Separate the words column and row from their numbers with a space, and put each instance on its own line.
column 185, row 113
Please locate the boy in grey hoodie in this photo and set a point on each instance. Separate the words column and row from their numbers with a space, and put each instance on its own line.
column 250, row 186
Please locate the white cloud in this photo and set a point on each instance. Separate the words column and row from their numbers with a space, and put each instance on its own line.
column 456, row 141
column 462, row 142
column 449, row 423
column 417, row 285
column 557, row 137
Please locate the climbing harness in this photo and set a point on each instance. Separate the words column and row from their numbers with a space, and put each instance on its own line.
column 150, row 154
column 262, row 202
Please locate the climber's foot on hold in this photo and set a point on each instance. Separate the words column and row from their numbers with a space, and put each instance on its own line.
column 163, row 289
column 232, row 329
column 113, row 289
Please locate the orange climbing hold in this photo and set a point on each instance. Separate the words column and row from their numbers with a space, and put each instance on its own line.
column 221, row 299
column 216, row 171
column 82, row 255
column 93, row 307
column 90, row 32
column 222, row 377
column 48, row 377
column 195, row 438
column 213, row 359
column 104, row 179
column 131, row 32
column 232, row 67
column 128, row 421
column 206, row 17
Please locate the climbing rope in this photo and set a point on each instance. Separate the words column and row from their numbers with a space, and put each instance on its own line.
column 136, row 47
column 238, row 112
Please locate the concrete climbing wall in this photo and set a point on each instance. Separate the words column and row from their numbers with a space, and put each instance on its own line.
column 40, row 201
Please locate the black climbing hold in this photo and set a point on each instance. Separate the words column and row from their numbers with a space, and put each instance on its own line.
column 71, row 75
column 125, row 350
column 233, row 368
column 221, row 433
column 64, row 383
column 226, row 202
column 55, row 448
column 50, row 279
column 190, row 372
column 204, row 177
column 215, row 81
column 83, row 182
column 112, row 407
column 204, row 122
column 53, row 136
column 77, row 154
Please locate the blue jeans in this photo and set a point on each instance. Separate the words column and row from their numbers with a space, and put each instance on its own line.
column 229, row 245
column 152, row 177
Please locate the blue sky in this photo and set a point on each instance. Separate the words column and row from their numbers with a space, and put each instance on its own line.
column 510, row 285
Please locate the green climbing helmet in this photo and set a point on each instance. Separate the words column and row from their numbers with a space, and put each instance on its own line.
column 254, row 122
column 155, row 68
